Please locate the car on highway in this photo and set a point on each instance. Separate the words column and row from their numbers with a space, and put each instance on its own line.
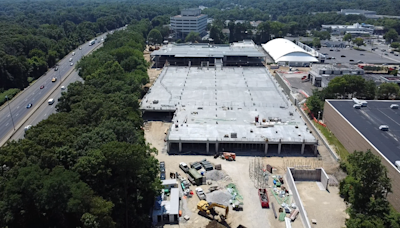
column 70, row 59
column 29, row 105
column 71, row 64
column 331, row 50
column 54, row 79
column 51, row 101
column 351, row 60
column 80, row 48
column 361, row 54
column 342, row 56
column 42, row 86
column 56, row 68
column 384, row 128
column 62, row 87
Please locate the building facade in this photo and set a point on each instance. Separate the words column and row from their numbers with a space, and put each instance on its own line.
column 343, row 29
column 190, row 20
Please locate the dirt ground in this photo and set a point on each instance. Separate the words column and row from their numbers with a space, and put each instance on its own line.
column 252, row 215
column 152, row 72
column 331, row 209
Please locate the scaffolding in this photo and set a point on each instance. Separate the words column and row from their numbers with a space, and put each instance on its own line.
column 258, row 173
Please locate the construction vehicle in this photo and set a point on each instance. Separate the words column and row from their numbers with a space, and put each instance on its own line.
column 229, row 156
column 207, row 210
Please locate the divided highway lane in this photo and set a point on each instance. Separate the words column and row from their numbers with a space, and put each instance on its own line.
column 45, row 110
column 33, row 94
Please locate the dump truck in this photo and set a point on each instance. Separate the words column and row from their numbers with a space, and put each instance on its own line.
column 207, row 210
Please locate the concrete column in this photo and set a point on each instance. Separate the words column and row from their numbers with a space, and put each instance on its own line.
column 266, row 148
column 279, row 147
column 216, row 147
column 168, row 146
column 315, row 149
column 208, row 146
column 302, row 146
column 180, row 146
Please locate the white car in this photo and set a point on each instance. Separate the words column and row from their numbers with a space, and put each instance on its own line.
column 50, row 101
column 200, row 193
column 62, row 87
column 71, row 64
column 184, row 167
column 73, row 53
column 384, row 128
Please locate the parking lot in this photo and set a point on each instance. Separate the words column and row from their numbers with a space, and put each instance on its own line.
column 347, row 55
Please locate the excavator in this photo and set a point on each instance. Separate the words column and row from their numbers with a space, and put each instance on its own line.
column 207, row 210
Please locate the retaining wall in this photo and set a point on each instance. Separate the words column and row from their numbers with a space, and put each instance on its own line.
column 296, row 198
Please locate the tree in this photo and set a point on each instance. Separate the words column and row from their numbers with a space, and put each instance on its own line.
column 358, row 41
column 155, row 37
column 366, row 188
column 388, row 91
column 395, row 45
column 315, row 105
column 217, row 35
column 193, row 37
column 316, row 42
column 347, row 37
column 391, row 36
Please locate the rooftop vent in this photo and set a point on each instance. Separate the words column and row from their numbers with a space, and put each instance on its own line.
column 233, row 135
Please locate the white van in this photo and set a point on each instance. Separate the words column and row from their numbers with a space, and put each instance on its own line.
column 73, row 53
column 51, row 101
column 70, row 59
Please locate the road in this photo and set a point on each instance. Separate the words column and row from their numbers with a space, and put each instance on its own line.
column 34, row 95
column 45, row 110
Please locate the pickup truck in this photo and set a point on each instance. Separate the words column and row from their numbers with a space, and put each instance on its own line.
column 200, row 193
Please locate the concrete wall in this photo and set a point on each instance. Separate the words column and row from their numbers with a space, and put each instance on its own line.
column 306, row 175
column 324, row 179
column 353, row 140
column 286, row 88
column 296, row 198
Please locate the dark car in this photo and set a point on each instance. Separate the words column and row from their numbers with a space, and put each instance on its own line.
column 331, row 50
column 162, row 176
column 42, row 86
column 56, row 68
column 351, row 60
column 29, row 105
column 343, row 56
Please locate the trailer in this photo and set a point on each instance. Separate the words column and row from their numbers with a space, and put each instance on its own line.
column 264, row 200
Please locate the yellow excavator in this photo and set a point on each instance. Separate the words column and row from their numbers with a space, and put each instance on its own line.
column 207, row 210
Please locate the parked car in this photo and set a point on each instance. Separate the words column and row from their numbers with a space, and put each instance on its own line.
column 331, row 50
column 184, row 167
column 162, row 166
column 162, row 176
column 200, row 193
column 195, row 165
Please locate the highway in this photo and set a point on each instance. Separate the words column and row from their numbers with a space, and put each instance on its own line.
column 34, row 95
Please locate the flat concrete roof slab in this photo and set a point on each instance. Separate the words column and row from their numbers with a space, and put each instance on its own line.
column 211, row 104
column 366, row 57
column 367, row 121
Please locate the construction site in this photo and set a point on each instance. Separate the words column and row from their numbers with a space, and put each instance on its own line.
column 217, row 108
column 227, row 136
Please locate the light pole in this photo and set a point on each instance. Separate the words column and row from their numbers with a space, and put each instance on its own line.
column 319, row 113
column 12, row 120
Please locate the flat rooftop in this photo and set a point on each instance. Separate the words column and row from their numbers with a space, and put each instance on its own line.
column 367, row 121
column 244, row 48
column 221, row 104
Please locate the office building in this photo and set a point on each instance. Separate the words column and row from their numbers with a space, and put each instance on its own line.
column 190, row 20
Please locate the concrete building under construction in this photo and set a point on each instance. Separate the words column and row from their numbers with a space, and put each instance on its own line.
column 218, row 108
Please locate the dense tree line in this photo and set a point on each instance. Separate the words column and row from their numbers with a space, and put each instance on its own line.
column 35, row 35
column 365, row 189
column 349, row 86
column 88, row 165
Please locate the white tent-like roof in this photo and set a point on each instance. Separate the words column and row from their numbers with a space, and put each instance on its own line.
column 283, row 50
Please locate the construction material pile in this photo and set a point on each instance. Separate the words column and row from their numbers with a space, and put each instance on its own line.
column 220, row 196
column 215, row 175
column 237, row 199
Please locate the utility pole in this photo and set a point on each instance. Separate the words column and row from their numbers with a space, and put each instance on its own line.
column 12, row 120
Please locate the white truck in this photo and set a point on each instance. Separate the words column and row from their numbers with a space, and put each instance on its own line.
column 50, row 101
column 92, row 42
column 200, row 193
